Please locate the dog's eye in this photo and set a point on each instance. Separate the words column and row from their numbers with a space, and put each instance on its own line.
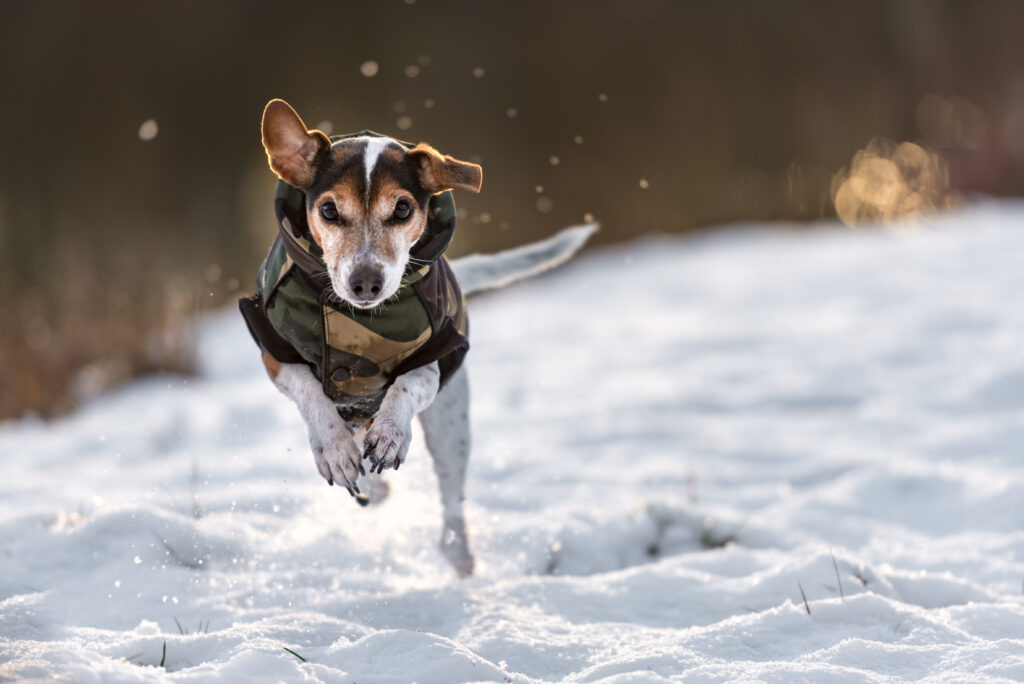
column 329, row 211
column 403, row 210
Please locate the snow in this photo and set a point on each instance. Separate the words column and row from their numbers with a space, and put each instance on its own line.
column 669, row 437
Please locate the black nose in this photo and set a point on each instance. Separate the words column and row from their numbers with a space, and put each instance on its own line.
column 365, row 282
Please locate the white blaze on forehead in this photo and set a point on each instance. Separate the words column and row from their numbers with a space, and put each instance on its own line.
column 374, row 146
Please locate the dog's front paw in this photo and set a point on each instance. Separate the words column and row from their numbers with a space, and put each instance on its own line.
column 386, row 443
column 337, row 458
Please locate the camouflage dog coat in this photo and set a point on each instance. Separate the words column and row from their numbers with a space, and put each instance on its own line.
column 356, row 354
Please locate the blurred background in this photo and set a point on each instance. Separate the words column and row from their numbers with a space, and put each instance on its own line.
column 134, row 192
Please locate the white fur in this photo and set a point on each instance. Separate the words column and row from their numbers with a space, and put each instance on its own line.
column 387, row 441
column 334, row 450
column 392, row 272
column 443, row 415
column 374, row 146
column 478, row 272
column 446, row 431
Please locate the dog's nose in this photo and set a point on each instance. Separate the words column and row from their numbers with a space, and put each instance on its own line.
column 366, row 282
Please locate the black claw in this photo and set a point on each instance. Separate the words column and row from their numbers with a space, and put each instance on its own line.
column 397, row 463
column 330, row 481
column 367, row 449
column 362, row 499
column 362, row 470
column 351, row 491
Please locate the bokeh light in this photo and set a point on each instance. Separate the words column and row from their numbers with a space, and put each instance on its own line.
column 888, row 180
column 148, row 130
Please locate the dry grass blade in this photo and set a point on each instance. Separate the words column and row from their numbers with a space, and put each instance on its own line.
column 807, row 606
column 177, row 558
column 835, row 566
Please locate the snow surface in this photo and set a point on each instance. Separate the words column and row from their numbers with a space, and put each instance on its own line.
column 806, row 395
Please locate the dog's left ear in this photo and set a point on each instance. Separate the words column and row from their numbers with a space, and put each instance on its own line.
column 291, row 149
column 439, row 172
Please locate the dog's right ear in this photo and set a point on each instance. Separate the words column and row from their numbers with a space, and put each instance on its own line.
column 291, row 148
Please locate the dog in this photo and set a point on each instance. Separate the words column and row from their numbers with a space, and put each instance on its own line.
column 361, row 319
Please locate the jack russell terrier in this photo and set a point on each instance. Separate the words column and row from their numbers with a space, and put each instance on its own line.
column 360, row 317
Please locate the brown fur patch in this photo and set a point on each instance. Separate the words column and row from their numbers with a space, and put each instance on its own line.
column 387, row 192
column 272, row 365
column 440, row 172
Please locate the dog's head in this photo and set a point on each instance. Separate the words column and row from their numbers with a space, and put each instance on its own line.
column 366, row 198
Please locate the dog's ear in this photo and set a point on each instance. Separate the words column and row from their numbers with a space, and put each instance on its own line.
column 291, row 148
column 439, row 172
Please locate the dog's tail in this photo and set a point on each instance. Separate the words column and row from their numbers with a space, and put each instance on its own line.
column 478, row 272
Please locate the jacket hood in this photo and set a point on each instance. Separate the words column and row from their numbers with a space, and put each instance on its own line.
column 290, row 208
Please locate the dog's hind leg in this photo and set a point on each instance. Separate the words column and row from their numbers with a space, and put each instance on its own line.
column 446, row 431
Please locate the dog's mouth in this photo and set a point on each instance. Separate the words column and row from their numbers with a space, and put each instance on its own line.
column 362, row 303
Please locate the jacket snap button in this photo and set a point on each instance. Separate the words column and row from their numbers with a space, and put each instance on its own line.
column 340, row 374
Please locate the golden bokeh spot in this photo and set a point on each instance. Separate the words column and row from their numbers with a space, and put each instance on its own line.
column 888, row 181
column 148, row 130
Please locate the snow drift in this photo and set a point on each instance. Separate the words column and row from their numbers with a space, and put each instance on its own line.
column 673, row 440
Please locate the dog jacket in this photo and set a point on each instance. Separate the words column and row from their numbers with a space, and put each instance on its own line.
column 356, row 354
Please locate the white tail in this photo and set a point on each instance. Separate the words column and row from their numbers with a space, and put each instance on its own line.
column 478, row 272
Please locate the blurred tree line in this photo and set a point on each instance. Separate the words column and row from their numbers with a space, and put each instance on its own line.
column 134, row 191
